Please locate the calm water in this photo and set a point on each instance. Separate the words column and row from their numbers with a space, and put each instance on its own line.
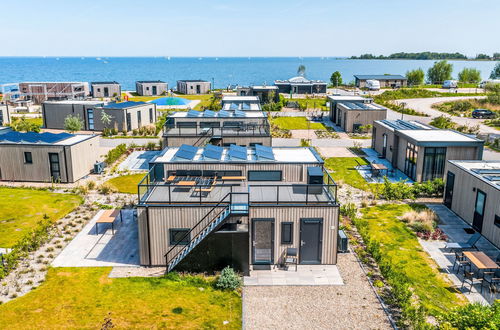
column 223, row 71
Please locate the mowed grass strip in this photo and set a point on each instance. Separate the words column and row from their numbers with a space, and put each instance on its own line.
column 126, row 184
column 344, row 170
column 400, row 248
column 296, row 123
column 82, row 298
column 21, row 209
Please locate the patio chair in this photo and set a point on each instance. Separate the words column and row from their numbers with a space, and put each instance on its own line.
column 493, row 280
column 464, row 245
column 291, row 257
column 461, row 261
column 470, row 279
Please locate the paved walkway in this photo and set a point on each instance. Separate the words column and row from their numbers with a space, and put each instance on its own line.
column 349, row 306
column 89, row 249
column 305, row 275
column 138, row 161
column 327, row 152
column 366, row 172
column 453, row 226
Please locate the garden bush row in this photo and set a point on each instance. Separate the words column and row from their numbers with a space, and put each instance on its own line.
column 401, row 190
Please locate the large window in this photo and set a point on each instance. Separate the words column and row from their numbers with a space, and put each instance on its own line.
column 178, row 236
column 497, row 220
column 28, row 158
column 209, row 124
column 287, row 233
column 411, row 160
column 264, row 175
column 151, row 115
column 90, row 118
column 434, row 162
column 139, row 119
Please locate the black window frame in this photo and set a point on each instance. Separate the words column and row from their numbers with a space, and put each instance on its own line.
column 253, row 172
column 290, row 240
column 180, row 231
column 434, row 163
column 26, row 160
column 496, row 221
column 411, row 157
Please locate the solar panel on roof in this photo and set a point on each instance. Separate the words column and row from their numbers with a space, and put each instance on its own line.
column 224, row 113
column 237, row 152
column 233, row 106
column 186, row 152
column 193, row 113
column 209, row 113
column 239, row 113
column 212, row 152
column 32, row 137
column 263, row 152
column 486, row 171
column 245, row 106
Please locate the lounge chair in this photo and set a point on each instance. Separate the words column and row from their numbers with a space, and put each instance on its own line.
column 464, row 245
column 469, row 278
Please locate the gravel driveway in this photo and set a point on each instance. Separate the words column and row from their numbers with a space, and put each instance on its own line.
column 350, row 306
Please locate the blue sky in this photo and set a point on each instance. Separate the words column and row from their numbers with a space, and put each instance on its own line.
column 247, row 28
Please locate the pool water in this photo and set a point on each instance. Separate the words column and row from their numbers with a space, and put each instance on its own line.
column 171, row 101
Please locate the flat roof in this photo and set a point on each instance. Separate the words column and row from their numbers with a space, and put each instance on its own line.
column 234, row 98
column 264, row 87
column 192, row 80
column 46, row 138
column 104, row 83
column 437, row 135
column 218, row 114
column 380, row 76
column 281, row 155
column 123, row 105
column 150, row 81
column 487, row 171
column 352, row 98
column 361, row 106
column 75, row 102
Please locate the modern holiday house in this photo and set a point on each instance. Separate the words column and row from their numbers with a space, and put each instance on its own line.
column 301, row 85
column 151, row 87
column 353, row 112
column 102, row 89
column 241, row 103
column 265, row 94
column 193, row 87
column 385, row 80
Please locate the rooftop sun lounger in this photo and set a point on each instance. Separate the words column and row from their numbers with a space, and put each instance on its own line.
column 464, row 245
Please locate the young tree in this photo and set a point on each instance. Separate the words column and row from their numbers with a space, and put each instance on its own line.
column 73, row 123
column 301, row 71
column 469, row 75
column 336, row 79
column 495, row 74
column 415, row 77
column 106, row 118
column 23, row 125
column 439, row 72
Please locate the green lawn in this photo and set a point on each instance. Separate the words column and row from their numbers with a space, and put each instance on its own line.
column 344, row 170
column 311, row 103
column 21, row 209
column 296, row 123
column 400, row 249
column 38, row 121
column 126, row 184
column 83, row 297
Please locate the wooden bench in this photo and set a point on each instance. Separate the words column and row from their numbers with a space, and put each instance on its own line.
column 108, row 216
column 171, row 178
column 234, row 178
column 207, row 189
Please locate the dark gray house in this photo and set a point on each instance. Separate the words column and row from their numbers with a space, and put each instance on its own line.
column 193, row 87
column 4, row 115
column 151, row 87
column 124, row 116
column 386, row 80
column 265, row 94
column 105, row 89
column 301, row 85
column 201, row 209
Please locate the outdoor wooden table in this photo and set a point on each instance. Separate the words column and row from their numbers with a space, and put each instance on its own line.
column 108, row 216
column 234, row 178
column 171, row 178
column 481, row 260
column 379, row 168
column 186, row 183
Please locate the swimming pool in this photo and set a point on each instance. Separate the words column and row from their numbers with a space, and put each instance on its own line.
column 171, row 101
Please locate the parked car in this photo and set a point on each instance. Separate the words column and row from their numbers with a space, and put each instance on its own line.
column 373, row 85
column 483, row 113
column 450, row 84
column 483, row 84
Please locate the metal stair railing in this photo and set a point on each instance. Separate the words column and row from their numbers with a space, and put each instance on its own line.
column 175, row 255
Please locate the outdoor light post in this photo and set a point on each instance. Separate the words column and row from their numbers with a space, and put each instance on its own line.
column 403, row 109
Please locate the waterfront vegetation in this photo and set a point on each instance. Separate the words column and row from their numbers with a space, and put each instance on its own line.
column 289, row 123
column 88, row 298
column 465, row 107
column 22, row 208
column 126, row 184
column 418, row 287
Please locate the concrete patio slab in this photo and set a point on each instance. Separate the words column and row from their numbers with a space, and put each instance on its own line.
column 327, row 152
column 103, row 249
column 372, row 157
column 309, row 275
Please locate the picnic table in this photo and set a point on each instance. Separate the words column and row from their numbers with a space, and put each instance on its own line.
column 171, row 178
column 186, row 183
column 481, row 260
column 378, row 168
column 234, row 178
column 108, row 216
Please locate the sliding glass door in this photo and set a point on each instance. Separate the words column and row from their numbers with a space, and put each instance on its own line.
column 434, row 162
column 411, row 161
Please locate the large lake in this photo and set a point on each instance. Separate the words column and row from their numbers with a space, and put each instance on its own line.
column 223, row 70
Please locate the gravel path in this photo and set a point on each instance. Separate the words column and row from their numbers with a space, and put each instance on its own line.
column 350, row 306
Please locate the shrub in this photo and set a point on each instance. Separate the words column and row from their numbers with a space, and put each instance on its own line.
column 472, row 316
column 397, row 191
column 348, row 210
column 106, row 189
column 115, row 153
column 228, row 280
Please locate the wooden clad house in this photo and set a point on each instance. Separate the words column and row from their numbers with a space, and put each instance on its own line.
column 101, row 89
column 39, row 92
column 193, row 87
column 472, row 191
column 244, row 128
column 421, row 151
column 352, row 112
column 254, row 202
column 47, row 157
column 151, row 87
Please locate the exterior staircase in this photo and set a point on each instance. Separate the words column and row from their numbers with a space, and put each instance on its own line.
column 202, row 229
